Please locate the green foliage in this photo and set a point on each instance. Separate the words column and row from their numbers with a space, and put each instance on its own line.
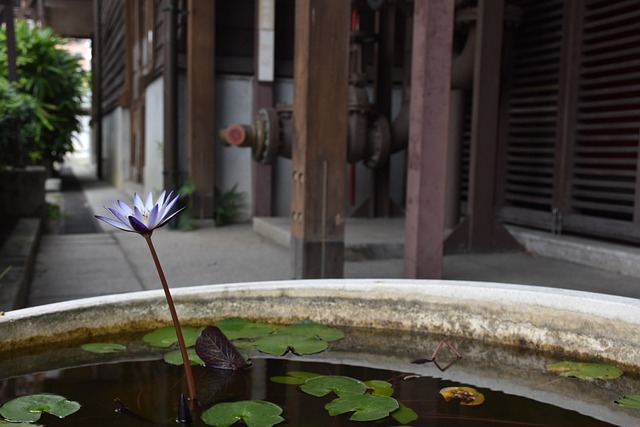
column 585, row 371
column 365, row 407
column 185, row 219
column 303, row 337
column 369, row 401
column 18, row 115
column 227, row 206
column 166, row 336
column 103, row 347
column 29, row 408
column 175, row 358
column 51, row 83
column 631, row 401
column 254, row 413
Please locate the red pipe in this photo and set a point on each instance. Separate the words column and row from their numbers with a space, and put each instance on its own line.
column 352, row 166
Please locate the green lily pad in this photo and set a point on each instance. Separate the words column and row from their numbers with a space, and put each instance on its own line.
column 404, row 414
column 631, row 401
column 380, row 388
column 281, row 344
column 311, row 328
column 238, row 327
column 29, row 408
column 12, row 424
column 103, row 347
column 466, row 396
column 341, row 386
column 175, row 358
column 294, row 377
column 585, row 371
column 254, row 413
column 365, row 407
column 166, row 336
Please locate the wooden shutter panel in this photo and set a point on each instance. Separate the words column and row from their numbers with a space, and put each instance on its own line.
column 532, row 114
column 605, row 159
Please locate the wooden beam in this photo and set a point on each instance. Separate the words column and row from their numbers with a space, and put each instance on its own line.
column 264, row 59
column 480, row 231
column 7, row 11
column 428, row 137
column 320, row 135
column 171, row 178
column 201, row 79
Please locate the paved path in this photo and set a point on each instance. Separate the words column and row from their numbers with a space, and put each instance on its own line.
column 109, row 261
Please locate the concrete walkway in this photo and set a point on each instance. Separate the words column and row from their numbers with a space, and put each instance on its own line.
column 70, row 266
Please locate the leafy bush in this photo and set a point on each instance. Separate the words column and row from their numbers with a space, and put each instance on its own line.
column 54, row 80
column 227, row 206
column 18, row 116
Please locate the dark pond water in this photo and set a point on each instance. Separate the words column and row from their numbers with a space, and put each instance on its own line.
column 150, row 388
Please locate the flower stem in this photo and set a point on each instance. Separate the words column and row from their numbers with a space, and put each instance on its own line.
column 176, row 323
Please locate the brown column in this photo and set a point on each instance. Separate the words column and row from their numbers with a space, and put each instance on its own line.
column 428, row 136
column 201, row 80
column 320, row 135
column 7, row 10
column 480, row 231
column 170, row 79
column 262, row 174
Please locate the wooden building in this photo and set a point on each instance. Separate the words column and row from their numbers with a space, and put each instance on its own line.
column 518, row 112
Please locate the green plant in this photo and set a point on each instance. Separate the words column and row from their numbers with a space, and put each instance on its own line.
column 18, row 115
column 185, row 219
column 54, row 80
column 227, row 205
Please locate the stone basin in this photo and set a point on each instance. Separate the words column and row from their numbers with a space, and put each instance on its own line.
column 528, row 320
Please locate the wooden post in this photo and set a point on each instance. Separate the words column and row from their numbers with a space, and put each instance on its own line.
column 428, row 137
column 201, row 80
column 263, row 97
column 320, row 137
column 480, row 231
column 170, row 81
column 7, row 10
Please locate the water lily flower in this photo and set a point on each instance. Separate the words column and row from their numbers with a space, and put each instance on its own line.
column 144, row 217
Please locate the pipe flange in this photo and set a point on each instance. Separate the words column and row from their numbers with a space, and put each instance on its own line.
column 379, row 141
column 265, row 149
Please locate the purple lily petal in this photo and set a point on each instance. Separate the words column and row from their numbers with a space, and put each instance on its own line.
column 123, row 219
column 149, row 203
column 114, row 223
column 142, row 218
column 160, row 201
column 137, row 202
column 138, row 225
column 153, row 216
column 124, row 208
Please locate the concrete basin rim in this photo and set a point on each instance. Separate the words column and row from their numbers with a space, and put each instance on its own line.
column 597, row 305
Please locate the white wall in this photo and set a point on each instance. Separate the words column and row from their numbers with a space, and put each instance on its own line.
column 115, row 147
column 234, row 100
column 154, row 137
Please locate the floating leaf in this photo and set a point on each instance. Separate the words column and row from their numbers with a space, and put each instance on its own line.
column 366, row 407
column 585, row 371
column 280, row 345
column 631, row 401
column 254, row 413
column 103, row 347
column 166, row 336
column 175, row 357
column 341, row 386
column 29, row 408
column 217, row 351
column 12, row 424
column 311, row 328
column 239, row 327
column 294, row 377
column 466, row 395
column 380, row 388
column 404, row 414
